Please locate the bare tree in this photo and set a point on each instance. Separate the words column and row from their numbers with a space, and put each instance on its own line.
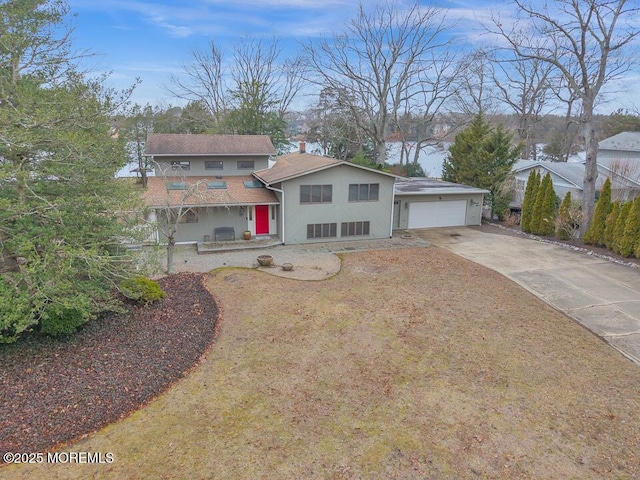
column 584, row 40
column 203, row 81
column 423, row 100
column 524, row 85
column 475, row 93
column 176, row 204
column 256, row 82
column 378, row 60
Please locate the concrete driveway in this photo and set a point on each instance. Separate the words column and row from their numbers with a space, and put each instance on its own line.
column 601, row 295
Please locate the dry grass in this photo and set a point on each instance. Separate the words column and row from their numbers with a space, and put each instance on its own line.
column 411, row 363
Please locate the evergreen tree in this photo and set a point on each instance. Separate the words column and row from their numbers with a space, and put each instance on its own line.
column 595, row 233
column 618, row 230
column 59, row 223
column 481, row 156
column 610, row 224
column 631, row 234
column 529, row 199
column 563, row 223
column 535, row 223
column 548, row 208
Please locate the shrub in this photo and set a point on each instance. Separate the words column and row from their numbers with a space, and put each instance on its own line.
column 564, row 221
column 548, row 208
column 61, row 320
column 15, row 311
column 142, row 290
column 510, row 218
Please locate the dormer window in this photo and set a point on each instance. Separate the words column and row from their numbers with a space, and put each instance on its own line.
column 221, row 185
column 253, row 184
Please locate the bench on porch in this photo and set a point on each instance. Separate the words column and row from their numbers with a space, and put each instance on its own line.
column 224, row 233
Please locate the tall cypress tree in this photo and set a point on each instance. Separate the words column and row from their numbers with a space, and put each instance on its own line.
column 631, row 235
column 535, row 223
column 528, row 200
column 548, row 208
column 595, row 233
column 618, row 230
column 610, row 224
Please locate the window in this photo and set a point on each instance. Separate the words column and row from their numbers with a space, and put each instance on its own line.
column 253, row 184
column 520, row 185
column 350, row 229
column 213, row 165
column 177, row 185
column 180, row 165
column 322, row 230
column 190, row 216
column 246, row 164
column 217, row 185
column 316, row 193
column 363, row 192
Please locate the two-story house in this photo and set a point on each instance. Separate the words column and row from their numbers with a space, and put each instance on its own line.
column 210, row 178
column 232, row 183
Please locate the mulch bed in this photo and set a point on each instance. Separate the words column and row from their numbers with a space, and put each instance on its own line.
column 53, row 391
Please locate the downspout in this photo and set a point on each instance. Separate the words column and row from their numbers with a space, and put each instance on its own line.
column 281, row 192
column 393, row 200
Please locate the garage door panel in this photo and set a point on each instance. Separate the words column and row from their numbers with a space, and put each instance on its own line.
column 437, row 214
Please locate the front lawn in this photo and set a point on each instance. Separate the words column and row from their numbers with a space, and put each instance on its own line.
column 411, row 363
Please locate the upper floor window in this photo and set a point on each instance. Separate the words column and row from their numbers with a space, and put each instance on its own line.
column 363, row 192
column 246, row 164
column 181, row 165
column 213, row 164
column 316, row 193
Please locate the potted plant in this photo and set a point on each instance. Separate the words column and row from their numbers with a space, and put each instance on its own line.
column 246, row 235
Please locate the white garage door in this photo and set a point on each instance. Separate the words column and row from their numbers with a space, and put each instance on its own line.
column 437, row 214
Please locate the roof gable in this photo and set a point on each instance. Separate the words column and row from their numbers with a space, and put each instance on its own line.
column 293, row 165
column 179, row 144
column 571, row 172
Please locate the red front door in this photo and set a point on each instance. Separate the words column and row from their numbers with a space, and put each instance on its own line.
column 262, row 219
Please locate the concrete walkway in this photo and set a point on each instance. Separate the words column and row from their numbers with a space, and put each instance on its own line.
column 601, row 295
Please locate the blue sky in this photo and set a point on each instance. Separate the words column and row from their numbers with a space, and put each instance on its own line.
column 151, row 39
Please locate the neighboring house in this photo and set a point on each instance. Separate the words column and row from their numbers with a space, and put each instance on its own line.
column 566, row 177
column 228, row 183
column 618, row 159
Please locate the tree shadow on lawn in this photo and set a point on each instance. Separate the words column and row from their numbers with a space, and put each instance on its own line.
column 55, row 390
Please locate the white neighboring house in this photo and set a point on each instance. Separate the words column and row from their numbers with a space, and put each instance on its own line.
column 618, row 159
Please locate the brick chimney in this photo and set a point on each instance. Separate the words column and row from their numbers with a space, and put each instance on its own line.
column 303, row 146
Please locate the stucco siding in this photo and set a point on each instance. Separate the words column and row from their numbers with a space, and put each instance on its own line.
column 377, row 213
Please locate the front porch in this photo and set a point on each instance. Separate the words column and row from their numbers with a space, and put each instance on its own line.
column 257, row 241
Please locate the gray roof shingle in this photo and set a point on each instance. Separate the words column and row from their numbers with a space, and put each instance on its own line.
column 186, row 144
column 625, row 141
